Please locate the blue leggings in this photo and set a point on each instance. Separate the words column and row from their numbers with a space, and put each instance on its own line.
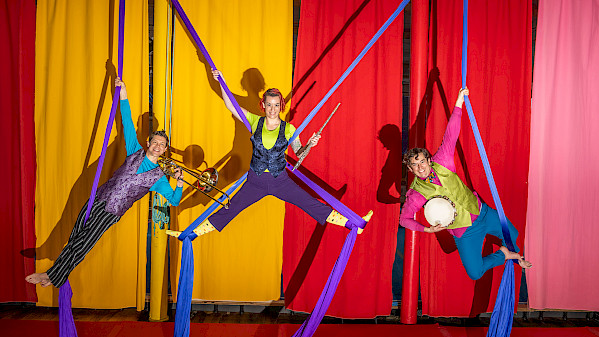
column 470, row 245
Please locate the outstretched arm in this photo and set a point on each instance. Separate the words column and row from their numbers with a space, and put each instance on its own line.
column 216, row 74
column 444, row 155
column 131, row 142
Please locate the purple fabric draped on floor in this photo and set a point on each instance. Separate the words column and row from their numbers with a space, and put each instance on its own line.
column 309, row 326
column 66, row 321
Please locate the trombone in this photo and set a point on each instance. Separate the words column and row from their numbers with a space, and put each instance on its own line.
column 205, row 180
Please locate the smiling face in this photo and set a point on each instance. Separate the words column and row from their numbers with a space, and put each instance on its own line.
column 420, row 166
column 272, row 106
column 157, row 146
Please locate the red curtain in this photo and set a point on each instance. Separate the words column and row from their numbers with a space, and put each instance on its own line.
column 17, row 37
column 499, row 79
column 357, row 159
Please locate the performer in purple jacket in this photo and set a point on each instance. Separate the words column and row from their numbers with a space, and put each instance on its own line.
column 135, row 178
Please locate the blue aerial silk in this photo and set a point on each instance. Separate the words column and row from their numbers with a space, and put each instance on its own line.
column 503, row 312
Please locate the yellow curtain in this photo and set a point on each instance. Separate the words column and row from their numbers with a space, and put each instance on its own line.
column 251, row 43
column 76, row 58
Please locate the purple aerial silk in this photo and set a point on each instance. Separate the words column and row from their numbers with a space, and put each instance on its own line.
column 503, row 311
column 204, row 52
column 66, row 322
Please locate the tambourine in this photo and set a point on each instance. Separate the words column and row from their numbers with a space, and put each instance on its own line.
column 440, row 210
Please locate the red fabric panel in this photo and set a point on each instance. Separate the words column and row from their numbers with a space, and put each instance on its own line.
column 350, row 161
column 499, row 79
column 17, row 37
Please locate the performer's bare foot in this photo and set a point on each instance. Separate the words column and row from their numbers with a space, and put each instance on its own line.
column 41, row 278
column 524, row 264
column 515, row 256
column 509, row 255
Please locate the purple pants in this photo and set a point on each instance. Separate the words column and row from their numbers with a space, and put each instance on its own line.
column 258, row 186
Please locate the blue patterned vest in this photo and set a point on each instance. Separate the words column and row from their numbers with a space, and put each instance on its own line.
column 272, row 159
column 126, row 186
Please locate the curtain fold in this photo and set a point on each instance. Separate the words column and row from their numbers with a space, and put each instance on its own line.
column 251, row 43
column 358, row 159
column 76, row 56
column 499, row 79
column 561, row 239
column 17, row 36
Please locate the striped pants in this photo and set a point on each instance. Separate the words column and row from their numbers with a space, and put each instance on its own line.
column 83, row 238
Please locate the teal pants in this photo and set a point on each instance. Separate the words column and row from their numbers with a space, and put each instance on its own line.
column 470, row 245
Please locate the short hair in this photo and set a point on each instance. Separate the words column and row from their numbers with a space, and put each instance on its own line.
column 160, row 133
column 413, row 153
column 272, row 92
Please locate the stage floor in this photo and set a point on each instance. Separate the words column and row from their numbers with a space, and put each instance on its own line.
column 29, row 320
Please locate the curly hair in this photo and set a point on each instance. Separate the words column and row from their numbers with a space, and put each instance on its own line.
column 413, row 153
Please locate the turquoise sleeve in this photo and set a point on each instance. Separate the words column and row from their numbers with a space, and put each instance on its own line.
column 131, row 142
column 164, row 188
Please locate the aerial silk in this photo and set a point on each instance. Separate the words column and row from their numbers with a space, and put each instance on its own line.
column 182, row 318
column 66, row 322
column 502, row 316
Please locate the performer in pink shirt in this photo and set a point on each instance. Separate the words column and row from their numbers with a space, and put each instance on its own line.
column 437, row 176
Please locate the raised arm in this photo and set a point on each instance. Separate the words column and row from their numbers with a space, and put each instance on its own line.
column 131, row 142
column 445, row 153
column 216, row 74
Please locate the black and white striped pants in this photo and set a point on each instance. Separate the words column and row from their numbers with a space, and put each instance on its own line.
column 83, row 238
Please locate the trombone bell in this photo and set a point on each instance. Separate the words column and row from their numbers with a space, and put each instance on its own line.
column 205, row 181
column 209, row 178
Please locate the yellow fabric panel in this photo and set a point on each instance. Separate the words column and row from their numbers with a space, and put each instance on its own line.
column 251, row 43
column 76, row 60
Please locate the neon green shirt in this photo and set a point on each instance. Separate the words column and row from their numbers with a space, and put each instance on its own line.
column 269, row 137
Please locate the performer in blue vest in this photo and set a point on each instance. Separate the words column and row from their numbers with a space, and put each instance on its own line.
column 267, row 174
column 139, row 174
column 474, row 219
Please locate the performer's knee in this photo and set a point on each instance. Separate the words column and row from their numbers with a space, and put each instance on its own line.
column 474, row 272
